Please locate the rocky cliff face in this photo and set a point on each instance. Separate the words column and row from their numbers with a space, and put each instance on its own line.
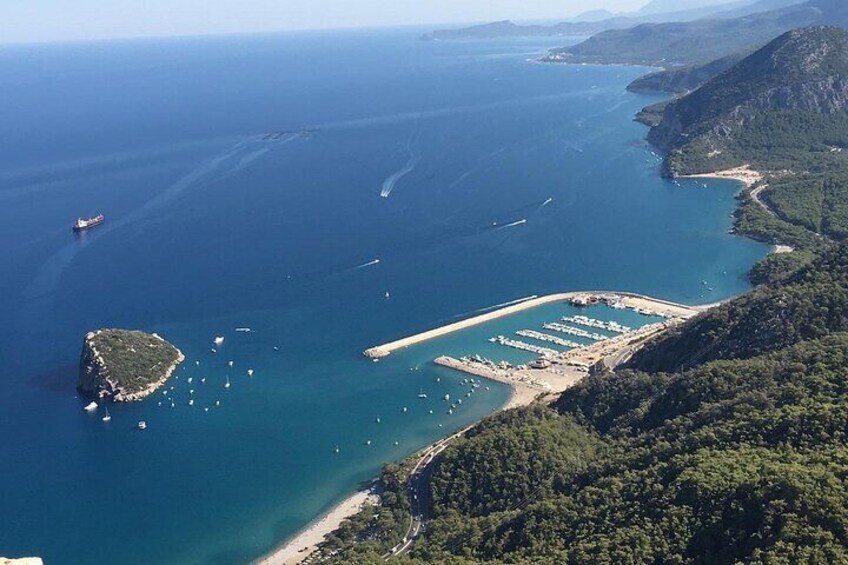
column 125, row 366
column 803, row 70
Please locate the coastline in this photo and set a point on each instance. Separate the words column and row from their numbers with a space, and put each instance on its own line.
column 744, row 174
column 754, row 184
column 298, row 548
column 659, row 306
column 306, row 541
column 523, row 392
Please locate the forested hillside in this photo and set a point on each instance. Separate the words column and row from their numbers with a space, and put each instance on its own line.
column 783, row 111
column 807, row 305
column 724, row 440
column 700, row 41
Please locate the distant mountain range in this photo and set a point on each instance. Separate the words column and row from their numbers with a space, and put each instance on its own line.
column 704, row 40
column 590, row 23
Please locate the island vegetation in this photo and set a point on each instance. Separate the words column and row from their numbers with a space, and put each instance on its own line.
column 125, row 365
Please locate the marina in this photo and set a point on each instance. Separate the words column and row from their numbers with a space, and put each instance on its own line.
column 515, row 344
column 533, row 334
column 577, row 332
column 593, row 323
column 641, row 304
column 212, row 229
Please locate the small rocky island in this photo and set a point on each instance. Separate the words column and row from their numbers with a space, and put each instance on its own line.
column 125, row 365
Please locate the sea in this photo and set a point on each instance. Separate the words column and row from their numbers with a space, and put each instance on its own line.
column 328, row 192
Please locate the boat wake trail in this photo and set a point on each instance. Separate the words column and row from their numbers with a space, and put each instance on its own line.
column 520, row 222
column 477, row 167
column 248, row 159
column 368, row 264
column 489, row 308
column 411, row 161
column 392, row 180
column 505, row 304
column 229, row 161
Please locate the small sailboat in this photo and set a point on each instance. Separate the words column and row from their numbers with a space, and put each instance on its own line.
column 90, row 407
column 217, row 403
column 107, row 417
column 219, row 341
column 188, row 380
column 447, row 397
column 191, row 402
column 229, row 363
column 337, row 449
column 404, row 409
column 203, row 380
column 368, row 442
column 388, row 295
column 142, row 425
column 250, row 372
column 227, row 384
column 378, row 419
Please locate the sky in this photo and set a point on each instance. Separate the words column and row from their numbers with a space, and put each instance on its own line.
column 25, row 21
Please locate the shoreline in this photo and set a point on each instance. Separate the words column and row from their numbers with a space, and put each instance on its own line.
column 753, row 181
column 522, row 393
column 744, row 174
column 632, row 300
column 305, row 542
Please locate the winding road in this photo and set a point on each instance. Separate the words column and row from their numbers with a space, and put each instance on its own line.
column 419, row 494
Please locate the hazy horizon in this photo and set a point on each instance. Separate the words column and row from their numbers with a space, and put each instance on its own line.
column 43, row 21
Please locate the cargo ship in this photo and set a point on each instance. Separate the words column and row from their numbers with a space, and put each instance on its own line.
column 81, row 225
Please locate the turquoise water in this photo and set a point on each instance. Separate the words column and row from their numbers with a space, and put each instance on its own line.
column 213, row 227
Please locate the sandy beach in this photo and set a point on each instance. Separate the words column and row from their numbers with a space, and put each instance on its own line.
column 306, row 542
column 744, row 174
column 303, row 544
column 525, row 385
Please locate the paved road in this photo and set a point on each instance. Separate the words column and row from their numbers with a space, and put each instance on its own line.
column 755, row 195
column 419, row 494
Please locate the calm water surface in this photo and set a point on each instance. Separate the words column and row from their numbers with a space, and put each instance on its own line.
column 436, row 158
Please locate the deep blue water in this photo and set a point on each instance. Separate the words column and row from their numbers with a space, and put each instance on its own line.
column 211, row 227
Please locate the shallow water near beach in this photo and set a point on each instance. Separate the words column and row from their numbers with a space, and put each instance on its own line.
column 474, row 176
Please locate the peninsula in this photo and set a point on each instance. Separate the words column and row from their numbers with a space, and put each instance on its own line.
column 125, row 365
